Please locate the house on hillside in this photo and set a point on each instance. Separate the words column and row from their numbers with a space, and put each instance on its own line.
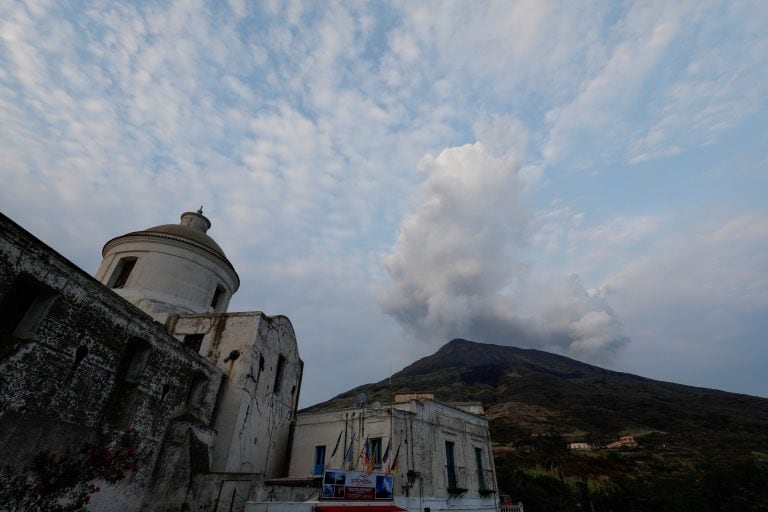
column 579, row 446
column 416, row 455
column 623, row 442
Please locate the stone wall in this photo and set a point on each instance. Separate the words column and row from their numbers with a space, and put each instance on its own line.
column 79, row 365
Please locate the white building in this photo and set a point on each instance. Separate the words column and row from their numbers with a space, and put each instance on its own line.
column 181, row 277
column 444, row 458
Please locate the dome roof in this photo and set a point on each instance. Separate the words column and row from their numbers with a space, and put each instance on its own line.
column 191, row 230
column 185, row 234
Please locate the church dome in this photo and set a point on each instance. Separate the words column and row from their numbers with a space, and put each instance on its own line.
column 171, row 268
column 184, row 234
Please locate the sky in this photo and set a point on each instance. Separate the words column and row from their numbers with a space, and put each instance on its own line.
column 587, row 178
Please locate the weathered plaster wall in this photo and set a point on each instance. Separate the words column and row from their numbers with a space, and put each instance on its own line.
column 52, row 400
column 434, row 424
column 257, row 406
column 169, row 277
column 420, row 428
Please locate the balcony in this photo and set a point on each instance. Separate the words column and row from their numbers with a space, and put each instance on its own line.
column 485, row 482
column 456, row 479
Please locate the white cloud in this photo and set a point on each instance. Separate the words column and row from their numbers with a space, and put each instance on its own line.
column 696, row 306
column 457, row 269
column 601, row 108
column 299, row 127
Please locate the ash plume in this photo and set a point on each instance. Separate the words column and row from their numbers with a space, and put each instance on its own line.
column 457, row 268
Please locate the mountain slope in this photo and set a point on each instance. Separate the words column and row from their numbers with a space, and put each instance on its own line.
column 529, row 391
column 699, row 449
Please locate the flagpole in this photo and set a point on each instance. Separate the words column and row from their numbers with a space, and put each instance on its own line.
column 345, row 440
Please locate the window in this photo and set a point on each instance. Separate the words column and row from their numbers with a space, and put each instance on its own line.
column 24, row 306
column 194, row 341
column 480, row 472
column 134, row 360
column 260, row 371
column 450, row 465
column 80, row 353
column 122, row 403
column 197, row 391
column 319, row 460
column 374, row 451
column 217, row 293
column 279, row 374
column 122, row 271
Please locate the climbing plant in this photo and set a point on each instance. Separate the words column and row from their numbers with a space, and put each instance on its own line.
column 65, row 481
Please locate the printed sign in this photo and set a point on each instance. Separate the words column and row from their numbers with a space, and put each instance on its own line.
column 356, row 486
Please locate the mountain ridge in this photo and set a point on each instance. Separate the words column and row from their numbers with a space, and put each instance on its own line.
column 528, row 392
column 699, row 449
column 416, row 368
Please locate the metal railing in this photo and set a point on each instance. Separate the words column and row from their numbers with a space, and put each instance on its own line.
column 455, row 478
column 485, row 481
column 512, row 507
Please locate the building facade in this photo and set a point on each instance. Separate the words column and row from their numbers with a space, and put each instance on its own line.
column 146, row 351
column 443, row 457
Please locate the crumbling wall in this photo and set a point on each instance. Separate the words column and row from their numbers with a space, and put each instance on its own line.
column 257, row 405
column 79, row 365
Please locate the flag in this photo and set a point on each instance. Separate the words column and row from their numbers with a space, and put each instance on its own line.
column 348, row 453
column 374, row 447
column 385, row 457
column 364, row 454
column 395, row 461
column 335, row 448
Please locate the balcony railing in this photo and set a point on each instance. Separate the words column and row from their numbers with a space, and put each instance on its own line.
column 485, row 482
column 456, row 479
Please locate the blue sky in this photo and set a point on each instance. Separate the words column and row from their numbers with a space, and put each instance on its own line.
column 583, row 177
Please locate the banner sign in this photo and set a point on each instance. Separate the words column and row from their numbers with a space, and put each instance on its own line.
column 356, row 486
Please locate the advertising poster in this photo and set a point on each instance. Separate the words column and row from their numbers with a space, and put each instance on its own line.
column 356, row 486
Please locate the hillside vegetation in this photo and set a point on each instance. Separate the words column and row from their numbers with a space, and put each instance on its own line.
column 698, row 449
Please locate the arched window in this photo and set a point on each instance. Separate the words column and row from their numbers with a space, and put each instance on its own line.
column 24, row 307
column 198, row 388
column 121, row 406
column 134, row 360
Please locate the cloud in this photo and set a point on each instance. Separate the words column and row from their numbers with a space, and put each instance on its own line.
column 601, row 107
column 299, row 126
column 457, row 268
column 695, row 306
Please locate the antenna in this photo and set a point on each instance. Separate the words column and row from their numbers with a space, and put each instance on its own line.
column 361, row 400
column 376, row 406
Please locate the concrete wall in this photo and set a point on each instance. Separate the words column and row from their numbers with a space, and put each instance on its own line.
column 52, row 399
